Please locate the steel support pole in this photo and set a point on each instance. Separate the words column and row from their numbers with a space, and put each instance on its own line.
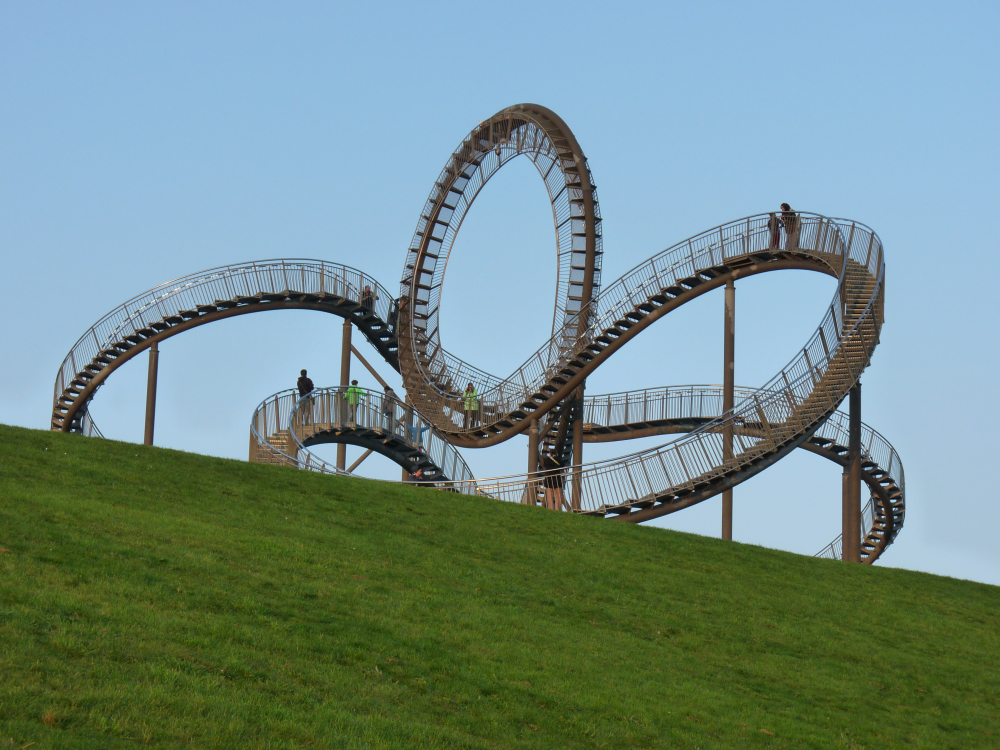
column 533, row 447
column 345, row 380
column 845, row 521
column 407, row 422
column 852, row 495
column 728, row 399
column 578, row 449
column 154, row 364
column 529, row 492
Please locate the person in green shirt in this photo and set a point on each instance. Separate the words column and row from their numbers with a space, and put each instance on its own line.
column 353, row 396
column 470, row 400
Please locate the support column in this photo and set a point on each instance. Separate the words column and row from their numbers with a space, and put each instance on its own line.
column 154, row 363
column 578, row 449
column 533, row 447
column 728, row 398
column 852, row 492
column 408, row 423
column 345, row 380
column 530, row 495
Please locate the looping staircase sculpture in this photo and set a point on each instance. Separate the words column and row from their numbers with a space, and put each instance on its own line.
column 718, row 448
column 284, row 426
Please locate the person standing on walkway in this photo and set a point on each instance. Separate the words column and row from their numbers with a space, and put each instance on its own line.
column 790, row 221
column 353, row 395
column 305, row 386
column 368, row 298
column 552, row 482
column 389, row 409
column 774, row 227
column 470, row 400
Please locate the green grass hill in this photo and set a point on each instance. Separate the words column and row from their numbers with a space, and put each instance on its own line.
column 159, row 598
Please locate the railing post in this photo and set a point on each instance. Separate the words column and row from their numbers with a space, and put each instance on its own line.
column 154, row 362
column 728, row 399
column 345, row 380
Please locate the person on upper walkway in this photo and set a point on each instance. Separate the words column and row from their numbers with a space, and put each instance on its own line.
column 790, row 221
column 368, row 298
column 305, row 386
column 353, row 395
column 774, row 227
column 389, row 402
column 470, row 401
column 398, row 305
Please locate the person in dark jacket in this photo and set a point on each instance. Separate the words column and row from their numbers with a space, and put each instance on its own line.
column 398, row 305
column 305, row 386
column 790, row 221
column 552, row 482
column 389, row 402
column 774, row 227
column 368, row 298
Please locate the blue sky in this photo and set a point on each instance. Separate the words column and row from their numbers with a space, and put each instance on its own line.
column 139, row 143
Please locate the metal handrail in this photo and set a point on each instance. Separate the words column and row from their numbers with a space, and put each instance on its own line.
column 326, row 409
column 255, row 279
column 787, row 411
column 818, row 236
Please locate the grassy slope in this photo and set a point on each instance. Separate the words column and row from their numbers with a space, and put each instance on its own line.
column 151, row 596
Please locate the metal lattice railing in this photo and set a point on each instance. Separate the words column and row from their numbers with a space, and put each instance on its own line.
column 829, row 241
column 794, row 402
column 284, row 423
column 256, row 279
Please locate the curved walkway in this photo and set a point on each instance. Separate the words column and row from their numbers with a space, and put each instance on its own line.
column 284, row 427
column 208, row 296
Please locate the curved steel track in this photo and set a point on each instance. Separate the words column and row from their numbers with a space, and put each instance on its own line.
column 796, row 408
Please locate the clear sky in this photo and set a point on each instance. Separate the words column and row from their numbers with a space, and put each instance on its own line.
column 140, row 142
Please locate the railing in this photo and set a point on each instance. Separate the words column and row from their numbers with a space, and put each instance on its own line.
column 699, row 402
column 681, row 403
column 327, row 409
column 835, row 549
column 831, row 241
column 803, row 394
column 508, row 134
column 88, row 428
column 225, row 283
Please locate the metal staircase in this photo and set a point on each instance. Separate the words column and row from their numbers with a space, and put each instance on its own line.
column 284, row 426
column 204, row 297
column 796, row 408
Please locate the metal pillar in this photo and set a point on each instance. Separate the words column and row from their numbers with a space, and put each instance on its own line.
column 851, row 539
column 154, row 363
column 345, row 380
column 530, row 495
column 408, row 422
column 728, row 386
column 578, row 449
column 533, row 447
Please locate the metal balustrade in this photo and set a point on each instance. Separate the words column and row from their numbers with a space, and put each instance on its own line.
column 176, row 302
column 828, row 242
column 787, row 409
column 284, row 425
